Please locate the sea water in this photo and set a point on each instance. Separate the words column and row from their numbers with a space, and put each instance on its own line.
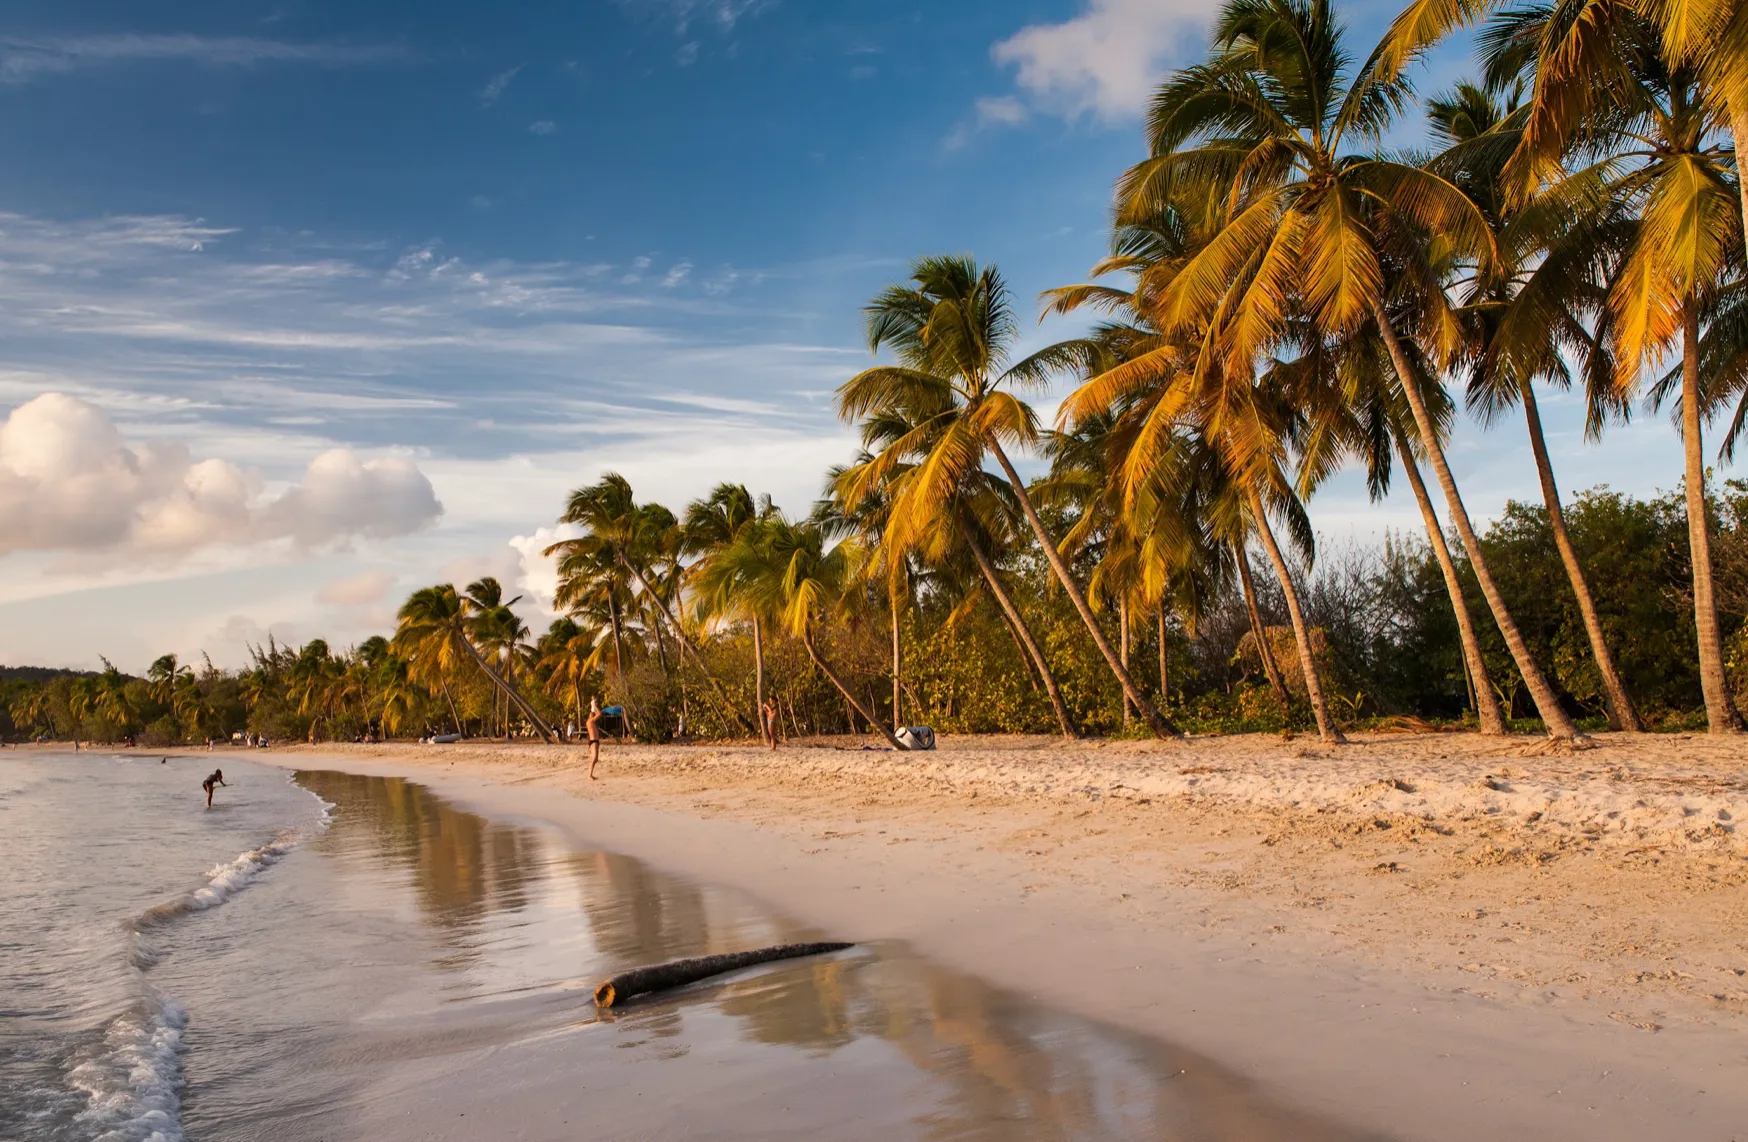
column 327, row 956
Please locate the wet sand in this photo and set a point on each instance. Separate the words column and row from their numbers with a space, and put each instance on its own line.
column 1423, row 936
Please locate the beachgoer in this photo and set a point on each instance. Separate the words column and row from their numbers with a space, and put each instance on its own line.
column 771, row 721
column 594, row 727
column 217, row 779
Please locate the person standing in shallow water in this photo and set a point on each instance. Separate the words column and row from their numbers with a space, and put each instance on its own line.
column 217, row 779
column 594, row 728
column 771, row 721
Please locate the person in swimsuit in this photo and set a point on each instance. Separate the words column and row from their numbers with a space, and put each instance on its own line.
column 217, row 779
column 594, row 728
column 771, row 721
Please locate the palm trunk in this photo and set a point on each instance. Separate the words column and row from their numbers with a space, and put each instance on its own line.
column 1006, row 602
column 897, row 719
column 1123, row 654
column 1621, row 715
column 1164, row 653
column 1481, row 692
column 765, row 732
column 1547, row 702
column 1301, row 633
column 510, row 693
column 686, row 641
column 1721, row 715
column 454, row 716
column 1265, row 649
column 819, row 661
column 1155, row 720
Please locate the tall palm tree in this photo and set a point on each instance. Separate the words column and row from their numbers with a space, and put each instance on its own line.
column 614, row 523
column 710, row 527
column 1525, row 313
column 792, row 574
column 1269, row 136
column 566, row 654
column 885, row 569
column 952, row 329
column 436, row 626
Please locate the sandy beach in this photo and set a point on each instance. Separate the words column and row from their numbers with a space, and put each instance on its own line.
column 1433, row 936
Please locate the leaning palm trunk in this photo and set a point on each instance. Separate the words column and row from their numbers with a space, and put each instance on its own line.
column 1155, row 720
column 1264, row 647
column 1023, row 632
column 1621, row 715
column 1301, row 633
column 1721, row 715
column 1547, row 702
column 1487, row 710
column 454, row 716
column 510, row 692
column 844, row 689
column 897, row 714
column 686, row 641
column 765, row 732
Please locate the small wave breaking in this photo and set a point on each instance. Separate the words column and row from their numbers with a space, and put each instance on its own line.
column 132, row 1078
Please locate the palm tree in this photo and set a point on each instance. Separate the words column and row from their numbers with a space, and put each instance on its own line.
column 614, row 524
column 885, row 568
column 566, row 656
column 1525, row 312
column 711, row 526
column 436, row 627
column 1264, row 135
column 794, row 576
column 951, row 329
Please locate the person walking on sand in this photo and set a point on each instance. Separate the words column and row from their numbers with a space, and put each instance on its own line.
column 594, row 727
column 771, row 721
column 217, row 779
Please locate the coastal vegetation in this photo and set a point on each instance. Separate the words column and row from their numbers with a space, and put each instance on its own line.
column 1286, row 295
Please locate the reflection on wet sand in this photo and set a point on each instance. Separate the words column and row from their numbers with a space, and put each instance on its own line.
column 511, row 900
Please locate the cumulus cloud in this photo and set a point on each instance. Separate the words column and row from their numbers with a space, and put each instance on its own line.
column 1106, row 61
column 70, row 482
column 537, row 573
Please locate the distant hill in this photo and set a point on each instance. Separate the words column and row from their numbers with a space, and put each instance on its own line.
column 39, row 673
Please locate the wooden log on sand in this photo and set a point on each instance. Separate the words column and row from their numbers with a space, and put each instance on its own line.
column 662, row 977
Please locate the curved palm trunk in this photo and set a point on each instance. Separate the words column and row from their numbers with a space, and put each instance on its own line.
column 454, row 715
column 1024, row 632
column 1547, row 702
column 1164, row 653
column 1123, row 654
column 1301, row 633
column 1264, row 648
column 686, row 641
column 766, row 732
column 819, row 661
column 1487, row 710
column 1155, row 720
column 1721, row 715
column 1621, row 715
column 897, row 719
column 510, row 693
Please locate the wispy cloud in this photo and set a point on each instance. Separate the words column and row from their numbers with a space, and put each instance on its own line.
column 686, row 15
column 499, row 83
column 25, row 59
column 542, row 127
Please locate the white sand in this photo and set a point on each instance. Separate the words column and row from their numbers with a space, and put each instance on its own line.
column 1432, row 937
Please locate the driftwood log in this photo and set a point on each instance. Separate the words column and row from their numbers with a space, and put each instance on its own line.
column 663, row 977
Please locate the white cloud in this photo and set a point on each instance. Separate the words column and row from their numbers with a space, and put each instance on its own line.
column 69, row 482
column 24, row 59
column 542, row 127
column 1106, row 61
column 356, row 590
column 494, row 89
column 723, row 15
column 538, row 572
column 676, row 274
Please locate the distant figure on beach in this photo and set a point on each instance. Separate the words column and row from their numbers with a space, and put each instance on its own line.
column 771, row 721
column 594, row 727
column 217, row 779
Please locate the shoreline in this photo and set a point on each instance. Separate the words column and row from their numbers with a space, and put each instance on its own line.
column 1429, row 936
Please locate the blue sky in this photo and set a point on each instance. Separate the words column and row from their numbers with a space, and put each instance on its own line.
column 335, row 299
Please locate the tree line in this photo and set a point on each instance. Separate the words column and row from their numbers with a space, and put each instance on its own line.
column 1284, row 297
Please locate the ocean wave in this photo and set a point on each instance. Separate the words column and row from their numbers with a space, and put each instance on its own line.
column 132, row 1080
